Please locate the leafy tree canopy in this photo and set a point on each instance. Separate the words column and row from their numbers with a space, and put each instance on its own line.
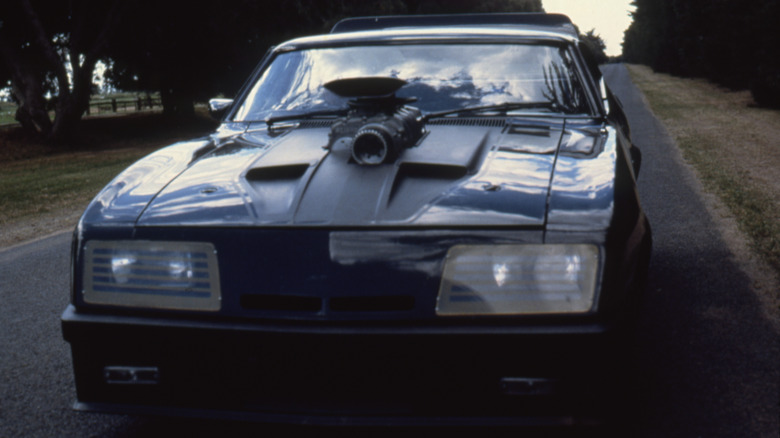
column 185, row 50
column 48, row 52
column 732, row 42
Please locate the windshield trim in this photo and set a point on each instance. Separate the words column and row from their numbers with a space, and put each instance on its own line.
column 453, row 34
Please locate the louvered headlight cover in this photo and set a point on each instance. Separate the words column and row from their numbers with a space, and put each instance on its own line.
column 518, row 279
column 152, row 274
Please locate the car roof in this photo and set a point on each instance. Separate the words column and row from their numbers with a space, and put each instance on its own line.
column 441, row 29
column 556, row 23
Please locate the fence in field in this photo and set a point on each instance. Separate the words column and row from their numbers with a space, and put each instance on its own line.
column 123, row 105
column 96, row 107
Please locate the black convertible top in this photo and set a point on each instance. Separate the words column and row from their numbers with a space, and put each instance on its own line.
column 555, row 22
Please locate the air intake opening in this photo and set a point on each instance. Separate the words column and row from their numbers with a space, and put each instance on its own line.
column 431, row 171
column 290, row 172
column 289, row 303
column 395, row 303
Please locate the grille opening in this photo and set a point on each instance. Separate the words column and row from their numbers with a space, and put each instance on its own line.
column 395, row 303
column 281, row 303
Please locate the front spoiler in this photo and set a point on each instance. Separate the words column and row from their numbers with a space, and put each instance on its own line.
column 341, row 375
column 331, row 421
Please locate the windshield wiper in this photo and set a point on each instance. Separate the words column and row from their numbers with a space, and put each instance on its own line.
column 299, row 116
column 504, row 107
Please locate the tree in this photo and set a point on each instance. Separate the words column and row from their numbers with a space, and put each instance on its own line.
column 192, row 53
column 765, row 81
column 48, row 51
column 596, row 45
column 189, row 53
column 186, row 51
column 732, row 42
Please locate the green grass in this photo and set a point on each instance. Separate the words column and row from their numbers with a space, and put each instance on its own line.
column 47, row 181
column 709, row 124
column 7, row 112
column 31, row 187
column 756, row 213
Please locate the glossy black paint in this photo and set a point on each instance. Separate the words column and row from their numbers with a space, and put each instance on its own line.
column 330, row 270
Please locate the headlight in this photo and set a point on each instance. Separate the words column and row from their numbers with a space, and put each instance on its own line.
column 162, row 275
column 518, row 279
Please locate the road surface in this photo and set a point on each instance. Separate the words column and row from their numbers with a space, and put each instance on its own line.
column 707, row 359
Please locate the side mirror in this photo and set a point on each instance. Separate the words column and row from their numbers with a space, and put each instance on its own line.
column 218, row 107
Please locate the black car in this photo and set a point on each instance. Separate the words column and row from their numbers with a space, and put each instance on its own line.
column 419, row 219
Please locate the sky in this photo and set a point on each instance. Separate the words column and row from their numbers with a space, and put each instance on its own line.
column 609, row 17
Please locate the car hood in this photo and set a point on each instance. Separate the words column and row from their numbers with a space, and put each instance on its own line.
column 463, row 172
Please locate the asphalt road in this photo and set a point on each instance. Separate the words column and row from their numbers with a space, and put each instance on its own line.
column 707, row 360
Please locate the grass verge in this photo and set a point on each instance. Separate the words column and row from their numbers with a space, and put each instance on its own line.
column 45, row 188
column 731, row 144
column 41, row 185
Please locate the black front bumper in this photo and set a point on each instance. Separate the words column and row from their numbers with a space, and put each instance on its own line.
column 347, row 374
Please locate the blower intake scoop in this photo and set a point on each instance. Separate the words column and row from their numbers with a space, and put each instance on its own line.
column 379, row 125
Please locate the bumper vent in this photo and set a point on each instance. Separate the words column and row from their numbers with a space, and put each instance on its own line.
column 298, row 303
column 399, row 303
column 281, row 303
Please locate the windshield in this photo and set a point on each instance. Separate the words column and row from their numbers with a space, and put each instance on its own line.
column 441, row 77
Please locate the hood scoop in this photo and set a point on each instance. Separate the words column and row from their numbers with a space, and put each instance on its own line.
column 379, row 125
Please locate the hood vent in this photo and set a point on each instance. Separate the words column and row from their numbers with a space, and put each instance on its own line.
column 276, row 189
column 275, row 173
column 431, row 171
column 312, row 124
column 490, row 122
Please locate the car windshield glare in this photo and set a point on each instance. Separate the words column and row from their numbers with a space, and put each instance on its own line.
column 441, row 77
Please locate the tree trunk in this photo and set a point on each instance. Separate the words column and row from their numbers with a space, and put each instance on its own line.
column 177, row 102
column 27, row 76
column 72, row 104
column 31, row 112
column 27, row 90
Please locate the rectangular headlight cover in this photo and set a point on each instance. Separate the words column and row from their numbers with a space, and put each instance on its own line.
column 518, row 279
column 152, row 274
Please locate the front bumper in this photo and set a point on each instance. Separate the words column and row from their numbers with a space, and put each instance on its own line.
column 345, row 374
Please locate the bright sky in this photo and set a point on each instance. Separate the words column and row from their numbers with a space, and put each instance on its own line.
column 609, row 17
